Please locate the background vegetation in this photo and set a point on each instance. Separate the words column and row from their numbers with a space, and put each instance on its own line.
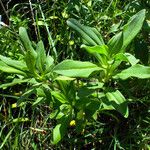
column 32, row 100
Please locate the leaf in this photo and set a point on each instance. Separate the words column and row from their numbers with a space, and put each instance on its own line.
column 31, row 61
column 138, row 71
column 25, row 39
column 101, row 41
column 116, row 96
column 92, row 108
column 100, row 49
column 59, row 96
column 31, row 54
column 38, row 101
column 14, row 63
column 115, row 43
column 73, row 68
column 56, row 134
column 49, row 64
column 8, row 69
column 118, row 101
column 126, row 57
column 85, row 92
column 41, row 56
column 60, row 130
column 120, row 41
column 14, row 82
column 132, row 28
column 89, row 35
column 64, row 78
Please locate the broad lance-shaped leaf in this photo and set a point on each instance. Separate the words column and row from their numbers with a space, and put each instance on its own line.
column 100, row 49
column 41, row 56
column 120, row 41
column 73, row 68
column 49, row 64
column 138, row 71
column 126, row 57
column 115, row 43
column 59, row 96
column 5, row 68
column 100, row 52
column 31, row 61
column 89, row 35
column 56, row 134
column 14, row 63
column 31, row 54
column 60, row 130
column 25, row 40
column 14, row 82
column 117, row 101
column 132, row 28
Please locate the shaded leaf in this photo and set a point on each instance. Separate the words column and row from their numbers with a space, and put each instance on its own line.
column 14, row 82
column 126, row 57
column 115, row 43
column 41, row 56
column 138, row 71
column 117, row 101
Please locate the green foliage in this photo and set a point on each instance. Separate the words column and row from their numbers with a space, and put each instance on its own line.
column 54, row 96
column 72, row 68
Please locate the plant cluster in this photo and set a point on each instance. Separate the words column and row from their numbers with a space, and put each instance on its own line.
column 60, row 101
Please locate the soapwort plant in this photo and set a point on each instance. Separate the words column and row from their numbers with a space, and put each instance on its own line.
column 94, row 94
column 78, row 91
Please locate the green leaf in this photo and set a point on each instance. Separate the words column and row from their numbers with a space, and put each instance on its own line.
column 132, row 28
column 49, row 64
column 31, row 62
column 85, row 92
column 14, row 82
column 60, row 130
column 100, row 49
column 8, row 69
column 120, row 41
column 89, row 35
column 118, row 101
column 25, row 39
column 116, row 96
column 138, row 71
column 59, row 96
column 57, row 134
column 38, row 101
column 126, row 57
column 92, row 108
column 73, row 68
column 115, row 43
column 31, row 54
column 41, row 56
column 14, row 63
column 64, row 78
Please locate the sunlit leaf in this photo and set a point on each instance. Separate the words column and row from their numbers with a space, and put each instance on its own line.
column 73, row 68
